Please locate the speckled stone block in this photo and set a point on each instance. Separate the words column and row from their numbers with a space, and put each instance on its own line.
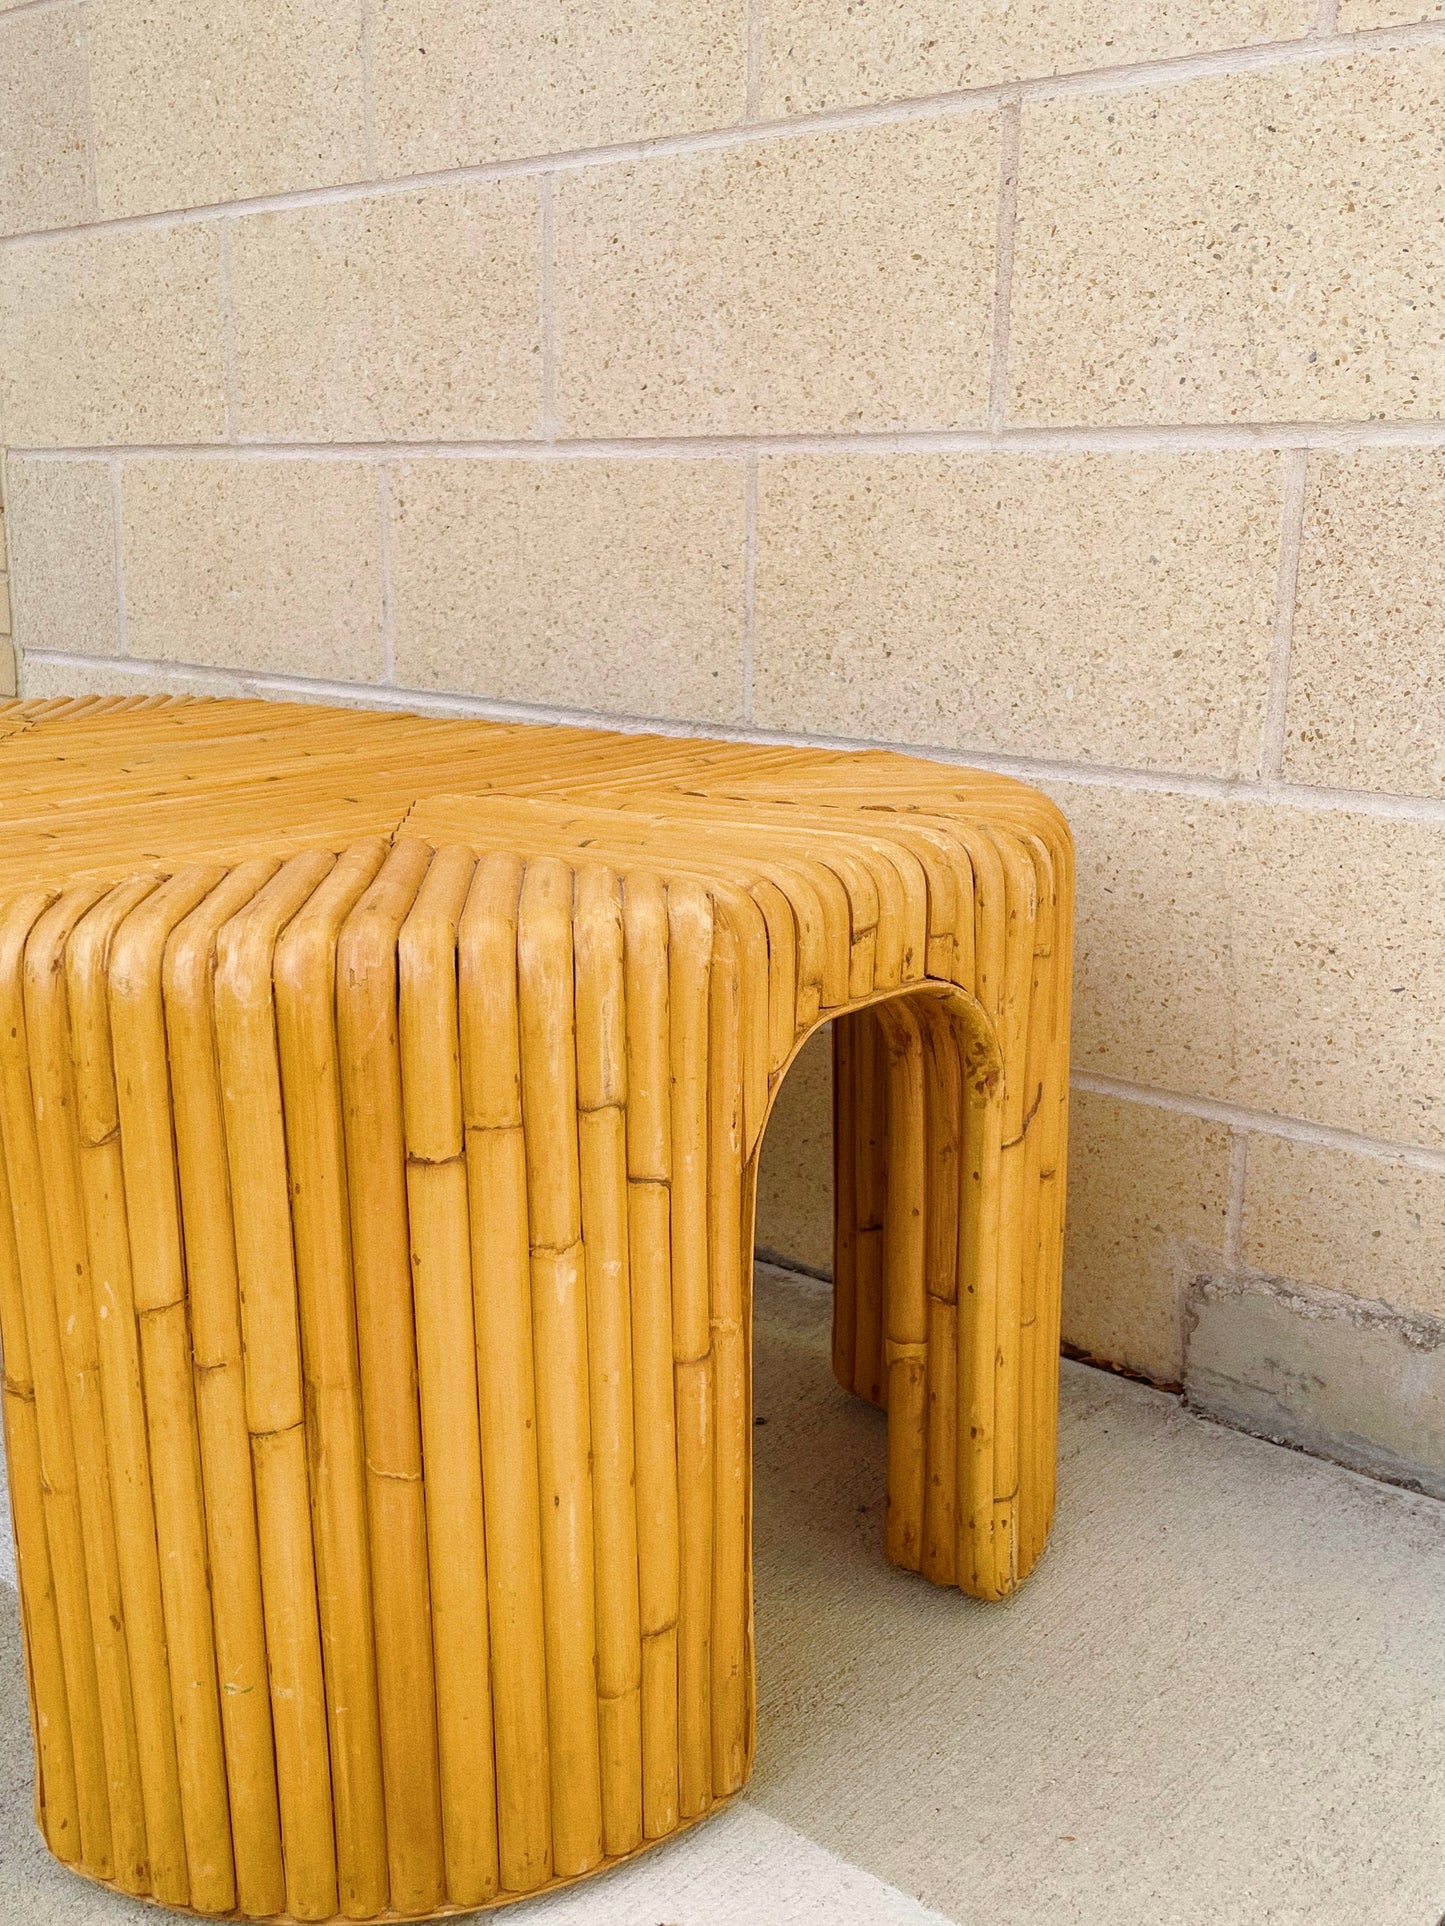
column 197, row 102
column 401, row 317
column 795, row 1179
column 605, row 585
column 456, row 82
column 61, row 527
column 112, row 337
column 1148, row 1195
column 1366, row 1226
column 833, row 281
column 1357, row 15
column 1291, row 959
column 1254, row 247
column 816, row 54
column 44, row 169
column 1367, row 666
column 1046, row 605
column 263, row 565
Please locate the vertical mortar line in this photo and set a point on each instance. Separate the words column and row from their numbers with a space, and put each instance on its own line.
column 1328, row 18
column 388, row 602
column 1234, row 1207
column 368, row 92
column 1293, row 473
column 750, row 580
column 753, row 86
column 228, row 332
column 546, row 208
column 1010, row 123
column 122, row 638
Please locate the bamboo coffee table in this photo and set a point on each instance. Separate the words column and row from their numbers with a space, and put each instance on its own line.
column 375, row 1262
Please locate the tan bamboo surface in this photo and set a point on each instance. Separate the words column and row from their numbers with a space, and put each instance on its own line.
column 381, row 1100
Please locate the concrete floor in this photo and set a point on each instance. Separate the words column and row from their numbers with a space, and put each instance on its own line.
column 1219, row 1702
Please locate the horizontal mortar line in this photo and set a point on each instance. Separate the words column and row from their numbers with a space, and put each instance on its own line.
column 1134, row 438
column 1170, row 71
column 1363, row 802
column 1264, row 1123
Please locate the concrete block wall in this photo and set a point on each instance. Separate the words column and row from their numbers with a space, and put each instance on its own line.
column 1054, row 386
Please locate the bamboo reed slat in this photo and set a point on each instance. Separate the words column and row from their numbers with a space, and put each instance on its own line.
column 602, row 1100
column 56, row 1810
column 649, row 1198
column 89, row 962
column 369, row 1046
column 134, row 1088
column 447, row 1374
column 52, row 1078
column 246, row 1044
column 546, row 1010
column 233, row 1541
column 305, row 975
column 491, row 1076
column 376, row 1219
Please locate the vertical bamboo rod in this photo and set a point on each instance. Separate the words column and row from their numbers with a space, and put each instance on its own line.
column 502, row 1305
column 436, row 1180
column 732, row 1434
column 869, row 1190
column 1041, row 1397
column 559, row 1311
column 693, row 1379
column 845, row 1204
column 265, row 1262
column 978, row 1317
column 89, row 959
column 649, row 1167
column 214, row 1295
column 602, row 1096
column 944, row 1124
column 57, row 1135
column 905, row 1294
column 304, row 973
column 143, row 1108
column 690, row 941
column 368, row 1039
column 56, row 1810
column 1013, row 1205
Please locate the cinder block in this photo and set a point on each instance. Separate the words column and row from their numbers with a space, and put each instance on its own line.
column 816, row 54
column 112, row 338
column 60, row 522
column 1148, row 1195
column 795, row 1182
column 455, row 82
column 1045, row 605
column 593, row 584
column 1362, row 1383
column 1290, row 959
column 829, row 281
column 1249, row 247
column 1364, row 1226
column 44, row 168
column 196, row 102
column 404, row 317
column 1367, row 671
column 261, row 565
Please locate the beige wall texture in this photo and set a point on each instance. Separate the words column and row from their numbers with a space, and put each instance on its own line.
column 1059, row 386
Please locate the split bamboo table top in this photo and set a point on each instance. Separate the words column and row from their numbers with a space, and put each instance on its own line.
column 381, row 1099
